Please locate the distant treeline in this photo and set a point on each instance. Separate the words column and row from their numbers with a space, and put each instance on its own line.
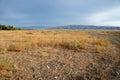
column 4, row 27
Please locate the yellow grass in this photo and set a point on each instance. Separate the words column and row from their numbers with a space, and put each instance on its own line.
column 22, row 40
column 6, row 67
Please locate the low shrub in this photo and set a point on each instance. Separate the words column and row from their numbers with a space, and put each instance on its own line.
column 3, row 50
column 102, row 42
column 101, row 49
column 6, row 66
column 74, row 44
column 18, row 47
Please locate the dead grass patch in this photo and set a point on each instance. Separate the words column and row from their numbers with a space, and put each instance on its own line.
column 103, row 42
column 18, row 47
column 100, row 49
column 75, row 40
column 3, row 50
column 6, row 66
column 74, row 45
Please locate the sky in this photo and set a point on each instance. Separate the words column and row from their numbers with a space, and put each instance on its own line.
column 60, row 12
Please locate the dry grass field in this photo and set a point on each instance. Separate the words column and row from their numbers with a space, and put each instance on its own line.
column 19, row 41
column 59, row 55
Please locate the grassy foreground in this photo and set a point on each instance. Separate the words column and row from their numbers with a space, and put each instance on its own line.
column 59, row 55
column 75, row 40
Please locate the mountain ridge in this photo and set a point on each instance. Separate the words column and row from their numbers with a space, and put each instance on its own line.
column 85, row 27
column 73, row 27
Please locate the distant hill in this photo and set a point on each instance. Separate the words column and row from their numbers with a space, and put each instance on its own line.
column 86, row 27
column 71, row 27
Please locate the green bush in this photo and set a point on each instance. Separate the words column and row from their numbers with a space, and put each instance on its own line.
column 4, row 27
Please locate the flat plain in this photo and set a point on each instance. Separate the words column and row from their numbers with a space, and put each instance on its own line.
column 59, row 55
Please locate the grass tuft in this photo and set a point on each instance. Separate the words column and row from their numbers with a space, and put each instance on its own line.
column 74, row 45
column 17, row 47
column 102, row 42
column 3, row 50
column 101, row 49
column 6, row 66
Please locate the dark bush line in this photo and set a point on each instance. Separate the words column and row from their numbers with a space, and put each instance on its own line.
column 4, row 27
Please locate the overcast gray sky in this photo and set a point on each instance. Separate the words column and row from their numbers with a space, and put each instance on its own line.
column 59, row 12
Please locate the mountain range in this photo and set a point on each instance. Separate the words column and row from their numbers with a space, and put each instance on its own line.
column 73, row 27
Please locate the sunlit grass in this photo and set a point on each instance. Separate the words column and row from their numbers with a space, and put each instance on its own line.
column 6, row 66
column 30, row 39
